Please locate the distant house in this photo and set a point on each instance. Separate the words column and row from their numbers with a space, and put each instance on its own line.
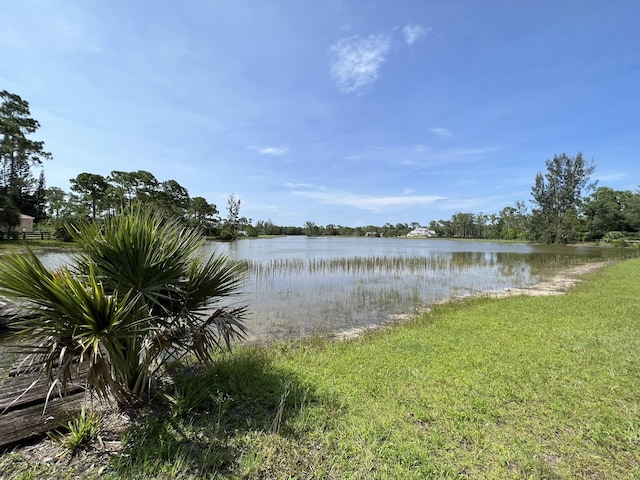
column 421, row 232
column 26, row 223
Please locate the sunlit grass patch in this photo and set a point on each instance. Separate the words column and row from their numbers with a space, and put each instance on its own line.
column 520, row 387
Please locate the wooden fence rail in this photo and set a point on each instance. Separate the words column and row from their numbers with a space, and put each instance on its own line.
column 29, row 236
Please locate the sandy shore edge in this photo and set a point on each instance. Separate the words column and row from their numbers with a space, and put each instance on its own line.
column 559, row 284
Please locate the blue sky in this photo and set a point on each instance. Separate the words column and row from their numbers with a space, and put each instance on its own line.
column 344, row 112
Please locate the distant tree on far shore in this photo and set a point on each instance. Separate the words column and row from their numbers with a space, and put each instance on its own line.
column 558, row 199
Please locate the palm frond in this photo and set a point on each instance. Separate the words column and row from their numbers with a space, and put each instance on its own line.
column 136, row 295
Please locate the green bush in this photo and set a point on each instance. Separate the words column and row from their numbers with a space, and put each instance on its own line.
column 136, row 295
column 616, row 239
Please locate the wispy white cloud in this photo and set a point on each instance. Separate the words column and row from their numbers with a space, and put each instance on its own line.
column 611, row 177
column 270, row 150
column 441, row 132
column 63, row 28
column 299, row 185
column 421, row 156
column 413, row 33
column 474, row 152
column 355, row 61
column 368, row 202
column 477, row 204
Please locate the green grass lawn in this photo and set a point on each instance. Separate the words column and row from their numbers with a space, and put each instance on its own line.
column 12, row 246
column 521, row 387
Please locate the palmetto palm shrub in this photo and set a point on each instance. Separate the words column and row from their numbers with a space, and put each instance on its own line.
column 136, row 295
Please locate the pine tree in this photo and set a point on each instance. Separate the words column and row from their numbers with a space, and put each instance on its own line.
column 558, row 197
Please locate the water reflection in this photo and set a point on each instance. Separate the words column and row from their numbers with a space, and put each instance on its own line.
column 302, row 286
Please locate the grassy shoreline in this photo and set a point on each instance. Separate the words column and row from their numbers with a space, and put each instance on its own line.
column 13, row 246
column 518, row 387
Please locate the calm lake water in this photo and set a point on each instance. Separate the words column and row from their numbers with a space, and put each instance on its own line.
column 319, row 285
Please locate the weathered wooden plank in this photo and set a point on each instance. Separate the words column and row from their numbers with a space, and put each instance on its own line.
column 15, row 391
column 20, row 425
column 18, row 397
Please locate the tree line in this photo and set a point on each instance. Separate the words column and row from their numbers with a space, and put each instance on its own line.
column 566, row 205
column 95, row 196
column 92, row 196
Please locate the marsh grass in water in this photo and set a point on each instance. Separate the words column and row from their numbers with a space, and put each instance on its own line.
column 441, row 263
column 303, row 287
column 320, row 295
